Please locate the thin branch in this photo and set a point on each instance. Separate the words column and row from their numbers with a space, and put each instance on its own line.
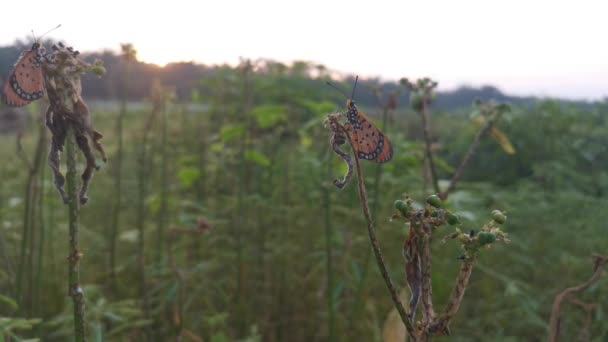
column 467, row 157
column 585, row 331
column 427, row 288
column 599, row 262
column 427, row 140
column 440, row 326
column 376, row 248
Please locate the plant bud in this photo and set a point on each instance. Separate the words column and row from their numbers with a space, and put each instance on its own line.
column 485, row 238
column 434, row 200
column 499, row 217
column 402, row 207
column 452, row 219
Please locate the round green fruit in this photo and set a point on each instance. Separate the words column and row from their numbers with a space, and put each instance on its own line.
column 452, row 219
column 434, row 200
column 485, row 238
column 499, row 217
column 402, row 207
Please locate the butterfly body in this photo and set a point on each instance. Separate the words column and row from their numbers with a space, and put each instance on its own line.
column 25, row 82
column 368, row 141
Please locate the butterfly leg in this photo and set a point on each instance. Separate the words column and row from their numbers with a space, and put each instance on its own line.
column 338, row 138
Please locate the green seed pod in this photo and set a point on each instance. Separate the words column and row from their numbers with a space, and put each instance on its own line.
column 499, row 217
column 485, row 238
column 434, row 200
column 98, row 70
column 435, row 213
column 452, row 219
column 402, row 207
column 464, row 238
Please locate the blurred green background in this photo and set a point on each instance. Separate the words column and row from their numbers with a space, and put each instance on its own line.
column 221, row 177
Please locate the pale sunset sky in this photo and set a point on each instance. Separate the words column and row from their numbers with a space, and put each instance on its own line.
column 543, row 47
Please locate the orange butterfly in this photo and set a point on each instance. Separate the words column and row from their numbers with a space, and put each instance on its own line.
column 368, row 140
column 25, row 82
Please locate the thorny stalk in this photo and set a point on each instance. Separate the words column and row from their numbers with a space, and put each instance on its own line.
column 599, row 262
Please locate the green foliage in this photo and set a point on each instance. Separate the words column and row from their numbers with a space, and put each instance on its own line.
column 270, row 147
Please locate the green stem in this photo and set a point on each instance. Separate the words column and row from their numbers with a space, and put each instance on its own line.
column 141, row 218
column 117, row 191
column 74, row 289
column 371, row 230
column 358, row 306
column 427, row 139
column 164, row 191
column 8, row 266
column 41, row 221
column 28, row 232
column 329, row 253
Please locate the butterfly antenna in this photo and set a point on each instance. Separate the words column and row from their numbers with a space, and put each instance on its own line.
column 354, row 87
column 33, row 34
column 338, row 89
column 49, row 31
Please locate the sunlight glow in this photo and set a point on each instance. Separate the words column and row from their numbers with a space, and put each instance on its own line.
column 554, row 48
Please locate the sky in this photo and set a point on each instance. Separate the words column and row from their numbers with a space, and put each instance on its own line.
column 535, row 47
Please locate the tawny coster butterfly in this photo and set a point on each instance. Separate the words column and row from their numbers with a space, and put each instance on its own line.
column 25, row 82
column 368, row 141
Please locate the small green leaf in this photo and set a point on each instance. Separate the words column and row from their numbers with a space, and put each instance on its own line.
column 188, row 175
column 9, row 302
column 269, row 115
column 257, row 157
column 230, row 132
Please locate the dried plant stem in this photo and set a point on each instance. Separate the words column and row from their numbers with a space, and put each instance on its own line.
column 74, row 289
column 440, row 326
column 599, row 262
column 376, row 248
column 427, row 289
column 589, row 309
column 467, row 157
column 427, row 140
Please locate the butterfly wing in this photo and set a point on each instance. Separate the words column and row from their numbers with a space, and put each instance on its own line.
column 369, row 141
column 25, row 82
